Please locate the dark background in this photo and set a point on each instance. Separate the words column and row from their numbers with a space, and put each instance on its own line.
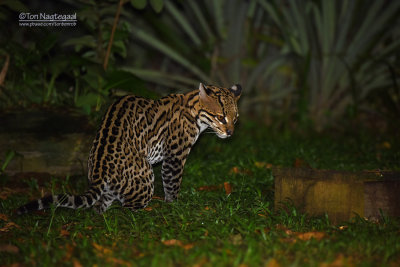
column 314, row 65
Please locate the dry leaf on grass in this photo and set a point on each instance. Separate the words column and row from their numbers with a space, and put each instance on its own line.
column 236, row 239
column 101, row 251
column 69, row 251
column 339, row 262
column 301, row 163
column 386, row 145
column 236, row 170
column 116, row 262
column 3, row 217
column 293, row 237
column 209, row 188
column 9, row 248
column 226, row 185
column 8, row 226
column 309, row 235
column 64, row 233
column 273, row 263
column 6, row 192
column 228, row 188
column 261, row 165
column 209, row 209
column 76, row 263
column 284, row 228
column 175, row 242
column 106, row 254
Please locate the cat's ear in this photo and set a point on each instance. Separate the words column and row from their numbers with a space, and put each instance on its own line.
column 204, row 94
column 204, row 90
column 236, row 90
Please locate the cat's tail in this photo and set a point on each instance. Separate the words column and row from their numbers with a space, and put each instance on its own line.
column 86, row 200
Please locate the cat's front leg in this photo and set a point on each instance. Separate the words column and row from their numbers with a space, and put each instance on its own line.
column 172, row 170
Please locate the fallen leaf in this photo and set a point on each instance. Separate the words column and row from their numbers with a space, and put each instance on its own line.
column 236, row 170
column 201, row 262
column 386, row 145
column 293, row 237
column 148, row 209
column 80, row 235
column 236, row 239
column 76, row 263
column 273, row 263
column 102, row 251
column 3, row 217
column 106, row 253
column 228, row 251
column 210, row 209
column 206, row 233
column 9, row 248
column 284, row 228
column 265, row 230
column 188, row 246
column 175, row 242
column 290, row 240
column 309, row 235
column 265, row 165
column 64, row 233
column 8, row 226
column 69, row 251
column 301, row 163
column 6, row 192
column 228, row 188
column 209, row 188
column 116, row 261
column 338, row 262
column 156, row 197
column 172, row 242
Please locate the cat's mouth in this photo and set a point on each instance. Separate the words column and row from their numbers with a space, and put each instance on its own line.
column 222, row 134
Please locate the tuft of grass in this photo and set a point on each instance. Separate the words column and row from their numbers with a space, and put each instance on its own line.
column 208, row 225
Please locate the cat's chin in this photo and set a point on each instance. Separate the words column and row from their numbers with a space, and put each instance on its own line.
column 222, row 135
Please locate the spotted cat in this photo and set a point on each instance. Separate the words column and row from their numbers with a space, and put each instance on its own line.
column 135, row 134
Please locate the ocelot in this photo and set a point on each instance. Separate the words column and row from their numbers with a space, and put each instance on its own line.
column 135, row 134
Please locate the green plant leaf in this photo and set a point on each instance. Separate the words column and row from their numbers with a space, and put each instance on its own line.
column 157, row 5
column 9, row 156
column 183, row 22
column 86, row 102
column 80, row 42
column 160, row 77
column 168, row 51
column 139, row 4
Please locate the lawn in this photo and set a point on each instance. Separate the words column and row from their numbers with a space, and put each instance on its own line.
column 224, row 215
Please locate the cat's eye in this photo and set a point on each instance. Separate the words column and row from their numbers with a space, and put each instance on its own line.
column 220, row 118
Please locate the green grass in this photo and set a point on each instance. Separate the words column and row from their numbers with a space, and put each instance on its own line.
column 209, row 227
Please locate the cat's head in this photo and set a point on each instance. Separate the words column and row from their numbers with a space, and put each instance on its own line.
column 218, row 108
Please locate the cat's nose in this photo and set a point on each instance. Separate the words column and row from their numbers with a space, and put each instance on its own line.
column 229, row 132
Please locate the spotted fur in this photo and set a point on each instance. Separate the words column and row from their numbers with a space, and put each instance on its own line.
column 135, row 134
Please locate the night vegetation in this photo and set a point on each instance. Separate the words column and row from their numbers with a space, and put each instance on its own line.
column 320, row 86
